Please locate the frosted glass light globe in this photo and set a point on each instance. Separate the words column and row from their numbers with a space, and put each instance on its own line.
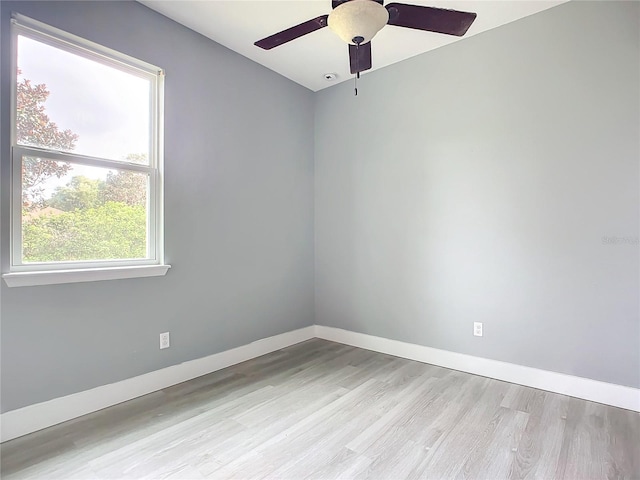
column 358, row 18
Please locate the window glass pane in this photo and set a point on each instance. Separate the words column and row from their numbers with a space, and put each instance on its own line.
column 69, row 103
column 77, row 212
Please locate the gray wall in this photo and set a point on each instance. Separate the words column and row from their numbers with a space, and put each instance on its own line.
column 239, row 218
column 472, row 183
column 476, row 183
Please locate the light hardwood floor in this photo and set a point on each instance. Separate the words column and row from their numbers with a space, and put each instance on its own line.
column 324, row 410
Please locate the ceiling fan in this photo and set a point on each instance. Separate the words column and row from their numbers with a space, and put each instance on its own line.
column 357, row 21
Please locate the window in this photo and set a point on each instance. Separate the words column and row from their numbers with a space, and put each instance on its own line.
column 86, row 161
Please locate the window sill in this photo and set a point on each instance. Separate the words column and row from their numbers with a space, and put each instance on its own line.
column 29, row 279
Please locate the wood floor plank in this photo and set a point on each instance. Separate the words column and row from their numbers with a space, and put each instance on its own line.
column 347, row 464
column 377, row 436
column 280, row 448
column 541, row 442
column 588, row 454
column 493, row 455
column 321, row 410
column 399, row 462
column 232, row 447
column 137, row 459
column 623, row 443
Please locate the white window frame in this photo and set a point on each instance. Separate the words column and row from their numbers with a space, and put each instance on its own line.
column 26, row 274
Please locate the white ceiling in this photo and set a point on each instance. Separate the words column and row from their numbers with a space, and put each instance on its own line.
column 236, row 24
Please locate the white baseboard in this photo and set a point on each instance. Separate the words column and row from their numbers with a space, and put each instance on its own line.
column 579, row 387
column 35, row 417
column 22, row 421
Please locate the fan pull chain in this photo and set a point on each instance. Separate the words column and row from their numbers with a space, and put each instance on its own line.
column 355, row 79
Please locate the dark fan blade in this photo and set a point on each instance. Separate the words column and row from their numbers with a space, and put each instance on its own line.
column 439, row 20
column 336, row 3
column 360, row 57
column 292, row 33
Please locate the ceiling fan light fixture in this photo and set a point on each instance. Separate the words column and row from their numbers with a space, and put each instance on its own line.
column 358, row 18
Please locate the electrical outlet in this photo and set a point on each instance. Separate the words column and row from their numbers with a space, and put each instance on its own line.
column 164, row 340
column 477, row 329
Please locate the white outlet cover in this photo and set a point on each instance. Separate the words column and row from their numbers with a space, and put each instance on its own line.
column 477, row 329
column 164, row 340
